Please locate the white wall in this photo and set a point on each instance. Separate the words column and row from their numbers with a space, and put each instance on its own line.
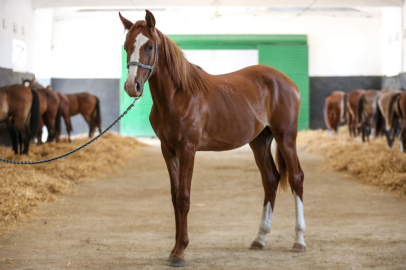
column 392, row 40
column 33, row 28
column 346, row 44
column 87, row 44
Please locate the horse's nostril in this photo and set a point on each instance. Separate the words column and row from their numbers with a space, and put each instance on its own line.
column 137, row 86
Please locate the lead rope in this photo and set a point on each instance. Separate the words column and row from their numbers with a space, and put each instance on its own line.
column 71, row 152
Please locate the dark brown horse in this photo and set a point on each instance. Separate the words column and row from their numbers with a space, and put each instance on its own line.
column 353, row 98
column 88, row 106
column 19, row 108
column 369, row 114
column 65, row 113
column 402, row 111
column 334, row 110
column 388, row 105
column 49, row 110
column 195, row 111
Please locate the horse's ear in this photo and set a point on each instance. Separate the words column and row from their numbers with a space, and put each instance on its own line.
column 33, row 79
column 150, row 19
column 127, row 24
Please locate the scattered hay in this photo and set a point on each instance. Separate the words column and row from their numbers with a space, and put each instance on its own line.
column 24, row 187
column 373, row 163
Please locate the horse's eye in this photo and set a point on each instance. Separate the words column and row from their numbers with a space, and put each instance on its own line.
column 150, row 47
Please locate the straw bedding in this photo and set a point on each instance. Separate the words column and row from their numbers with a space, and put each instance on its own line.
column 24, row 187
column 373, row 163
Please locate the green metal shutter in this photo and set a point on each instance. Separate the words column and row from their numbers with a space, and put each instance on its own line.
column 136, row 122
column 293, row 61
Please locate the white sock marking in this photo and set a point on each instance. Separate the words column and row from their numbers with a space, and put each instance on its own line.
column 300, row 226
column 140, row 40
column 265, row 224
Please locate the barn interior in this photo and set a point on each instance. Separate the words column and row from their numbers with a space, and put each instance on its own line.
column 76, row 46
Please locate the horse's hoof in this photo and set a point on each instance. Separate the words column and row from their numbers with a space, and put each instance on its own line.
column 297, row 247
column 170, row 257
column 256, row 245
column 176, row 262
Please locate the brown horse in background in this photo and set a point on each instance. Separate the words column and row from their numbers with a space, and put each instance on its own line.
column 65, row 113
column 19, row 108
column 390, row 110
column 88, row 106
column 402, row 112
column 334, row 110
column 195, row 111
column 369, row 115
column 50, row 113
column 353, row 98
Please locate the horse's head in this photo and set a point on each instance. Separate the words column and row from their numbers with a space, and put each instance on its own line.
column 33, row 84
column 27, row 82
column 141, row 46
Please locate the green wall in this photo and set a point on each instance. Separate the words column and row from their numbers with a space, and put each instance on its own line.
column 287, row 53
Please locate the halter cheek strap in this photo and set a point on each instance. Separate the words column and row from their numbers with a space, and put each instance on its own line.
column 151, row 68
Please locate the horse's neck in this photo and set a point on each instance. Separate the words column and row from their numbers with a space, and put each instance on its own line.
column 163, row 90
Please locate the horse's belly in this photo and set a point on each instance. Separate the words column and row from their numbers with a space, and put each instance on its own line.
column 230, row 136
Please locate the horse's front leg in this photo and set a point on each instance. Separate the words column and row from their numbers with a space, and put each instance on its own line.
column 186, row 157
column 172, row 164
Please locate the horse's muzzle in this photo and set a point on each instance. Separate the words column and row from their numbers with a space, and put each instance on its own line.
column 133, row 89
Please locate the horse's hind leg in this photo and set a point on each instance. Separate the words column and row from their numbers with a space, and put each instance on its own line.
column 89, row 121
column 286, row 141
column 270, row 180
column 13, row 135
column 23, row 135
column 39, row 132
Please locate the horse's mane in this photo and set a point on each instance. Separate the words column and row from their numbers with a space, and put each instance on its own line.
column 186, row 76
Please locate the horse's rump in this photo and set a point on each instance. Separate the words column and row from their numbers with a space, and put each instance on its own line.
column 334, row 109
column 387, row 107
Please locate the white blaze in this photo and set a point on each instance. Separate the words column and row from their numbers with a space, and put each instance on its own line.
column 140, row 40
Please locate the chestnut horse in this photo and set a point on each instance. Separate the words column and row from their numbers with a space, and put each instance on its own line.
column 50, row 113
column 195, row 111
column 88, row 106
column 65, row 113
column 353, row 98
column 389, row 107
column 369, row 114
column 19, row 108
column 334, row 110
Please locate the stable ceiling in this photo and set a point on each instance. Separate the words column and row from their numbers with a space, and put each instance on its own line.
column 252, row 3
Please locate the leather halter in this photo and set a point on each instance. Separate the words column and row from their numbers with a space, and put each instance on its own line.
column 151, row 68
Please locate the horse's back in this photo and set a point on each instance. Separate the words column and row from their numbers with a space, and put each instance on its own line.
column 82, row 102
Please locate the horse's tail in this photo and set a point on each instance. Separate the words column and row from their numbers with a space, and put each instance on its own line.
column 360, row 110
column 97, row 115
column 280, row 161
column 58, row 122
column 34, row 118
column 343, row 106
column 326, row 113
column 378, row 119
